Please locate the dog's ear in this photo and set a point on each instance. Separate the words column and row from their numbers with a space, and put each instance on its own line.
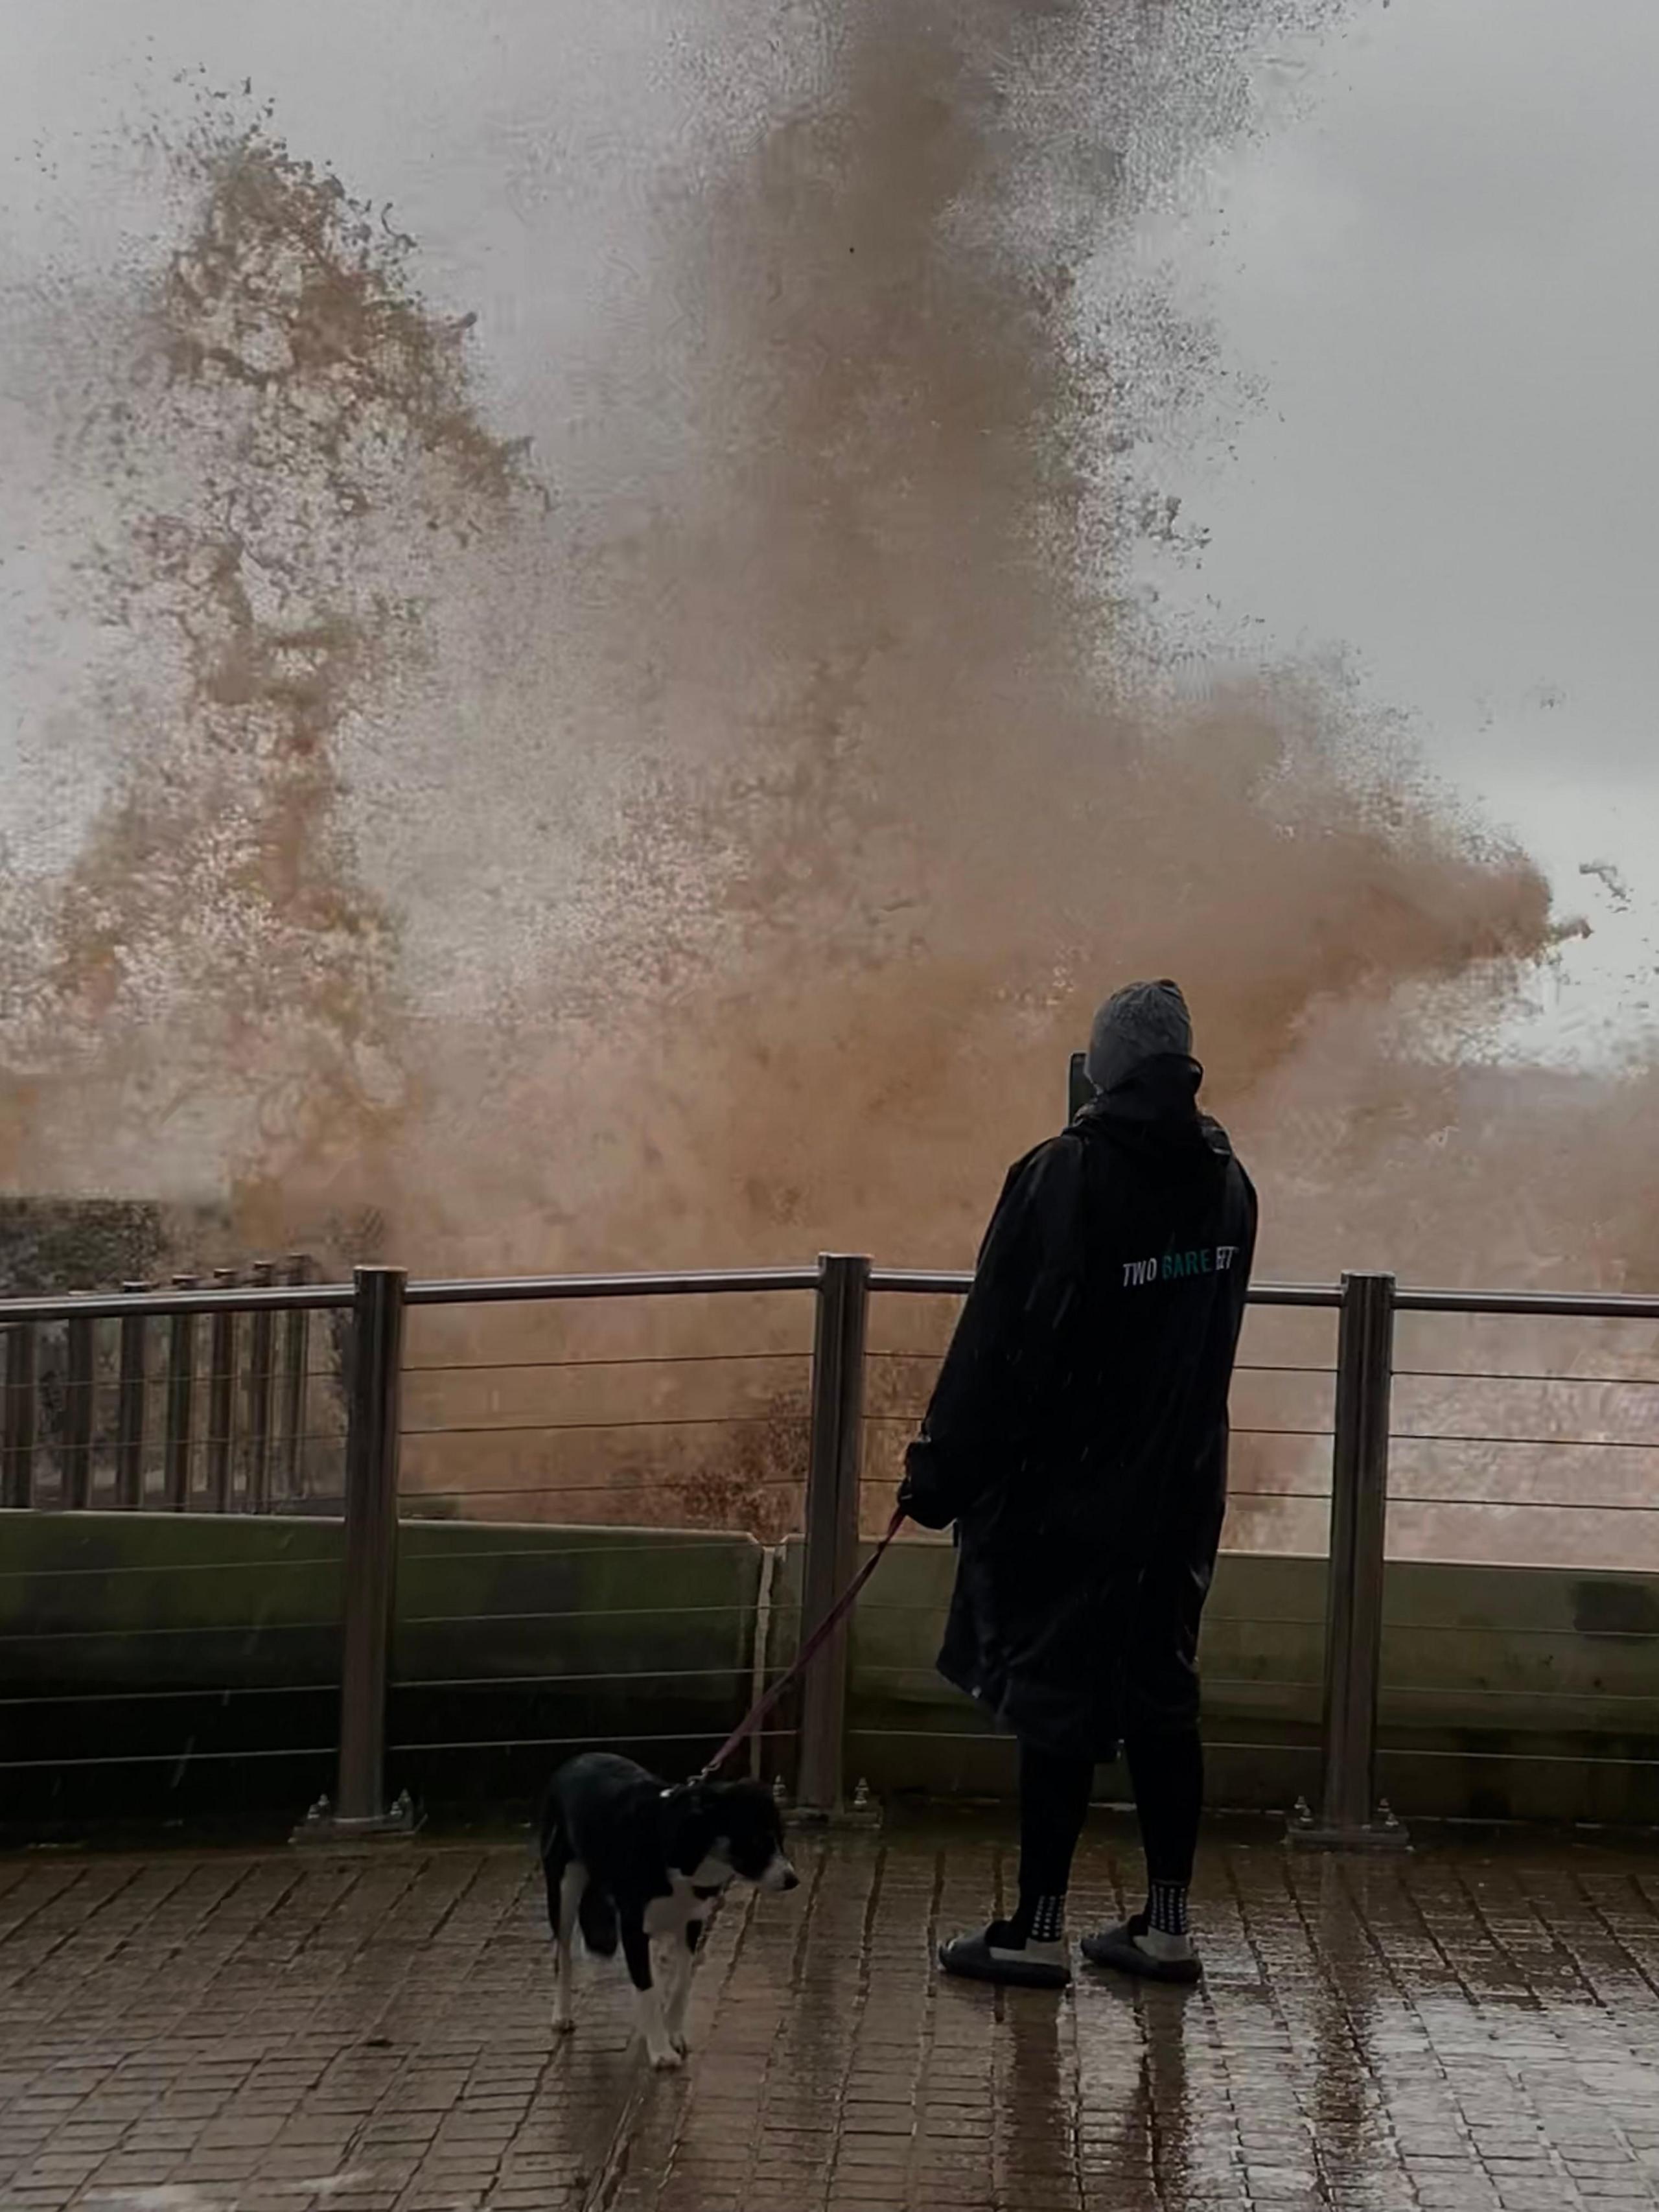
column 692, row 1826
column 743, row 1793
column 754, row 1802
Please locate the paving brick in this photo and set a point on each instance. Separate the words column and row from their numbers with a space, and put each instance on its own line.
column 253, row 2032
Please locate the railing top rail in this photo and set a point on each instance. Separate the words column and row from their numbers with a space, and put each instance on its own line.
column 508, row 1289
column 320, row 1297
column 110, row 1305
column 942, row 1281
column 1294, row 1294
column 1584, row 1305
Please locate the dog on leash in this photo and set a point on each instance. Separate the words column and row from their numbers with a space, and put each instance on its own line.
column 628, row 1858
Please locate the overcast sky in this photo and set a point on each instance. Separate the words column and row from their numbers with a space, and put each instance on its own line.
column 1437, row 258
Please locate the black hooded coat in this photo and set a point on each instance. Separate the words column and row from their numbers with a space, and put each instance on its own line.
column 1078, row 1434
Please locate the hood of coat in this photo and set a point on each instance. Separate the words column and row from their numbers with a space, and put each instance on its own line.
column 1154, row 1115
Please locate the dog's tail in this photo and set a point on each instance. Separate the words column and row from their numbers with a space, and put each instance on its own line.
column 597, row 1915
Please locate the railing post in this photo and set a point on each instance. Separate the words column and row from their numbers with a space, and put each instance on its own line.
column 1079, row 1089
column 22, row 1418
column 130, row 1405
column 222, row 1398
column 294, row 1333
column 1350, row 1816
column 832, row 1517
column 260, row 1374
column 181, row 1402
column 80, row 1356
column 371, row 1555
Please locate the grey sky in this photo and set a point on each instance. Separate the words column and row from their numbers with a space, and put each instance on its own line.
column 1437, row 255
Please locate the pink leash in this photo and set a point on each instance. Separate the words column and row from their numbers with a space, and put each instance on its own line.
column 808, row 1652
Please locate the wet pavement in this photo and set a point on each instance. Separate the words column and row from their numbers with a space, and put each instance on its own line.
column 278, row 2031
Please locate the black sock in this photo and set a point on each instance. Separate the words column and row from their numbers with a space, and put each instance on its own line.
column 1040, row 1919
column 1054, row 1803
column 1167, row 1769
column 1166, row 1907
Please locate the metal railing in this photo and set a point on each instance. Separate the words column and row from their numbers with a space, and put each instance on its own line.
column 254, row 1386
column 373, row 1307
column 632, row 1404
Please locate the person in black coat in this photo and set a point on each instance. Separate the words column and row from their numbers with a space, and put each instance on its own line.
column 1076, row 1439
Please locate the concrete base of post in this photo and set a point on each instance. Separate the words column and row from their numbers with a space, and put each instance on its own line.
column 323, row 1826
column 860, row 1811
column 1384, row 1834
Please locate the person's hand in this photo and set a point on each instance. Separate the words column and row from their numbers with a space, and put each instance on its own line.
column 923, row 1495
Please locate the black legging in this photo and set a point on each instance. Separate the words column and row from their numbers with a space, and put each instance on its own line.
column 1166, row 1768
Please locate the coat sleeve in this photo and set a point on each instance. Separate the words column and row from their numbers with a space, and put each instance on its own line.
column 992, row 1377
column 1252, row 1222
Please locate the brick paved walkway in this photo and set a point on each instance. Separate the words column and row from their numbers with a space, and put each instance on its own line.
column 276, row 2033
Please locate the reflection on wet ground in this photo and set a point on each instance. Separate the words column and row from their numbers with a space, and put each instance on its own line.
column 1465, row 2028
column 1476, row 2025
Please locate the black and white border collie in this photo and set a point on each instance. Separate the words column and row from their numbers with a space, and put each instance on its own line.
column 626, row 1857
